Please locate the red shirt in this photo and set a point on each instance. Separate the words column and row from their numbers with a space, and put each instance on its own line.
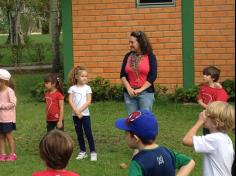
column 54, row 173
column 52, row 105
column 208, row 94
column 138, row 80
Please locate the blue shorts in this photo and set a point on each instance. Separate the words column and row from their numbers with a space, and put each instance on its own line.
column 7, row 127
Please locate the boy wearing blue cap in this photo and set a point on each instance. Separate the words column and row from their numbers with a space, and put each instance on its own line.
column 141, row 129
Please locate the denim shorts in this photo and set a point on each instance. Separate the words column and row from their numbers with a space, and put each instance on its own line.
column 7, row 127
column 142, row 101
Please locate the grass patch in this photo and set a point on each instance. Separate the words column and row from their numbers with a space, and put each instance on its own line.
column 174, row 120
column 37, row 50
column 43, row 38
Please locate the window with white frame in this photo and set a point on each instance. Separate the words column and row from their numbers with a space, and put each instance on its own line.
column 148, row 3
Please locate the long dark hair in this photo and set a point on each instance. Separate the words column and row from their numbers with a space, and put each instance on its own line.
column 144, row 43
column 54, row 79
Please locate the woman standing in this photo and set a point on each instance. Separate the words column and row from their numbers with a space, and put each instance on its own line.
column 138, row 73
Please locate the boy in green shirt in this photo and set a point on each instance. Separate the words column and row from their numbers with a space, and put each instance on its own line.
column 141, row 129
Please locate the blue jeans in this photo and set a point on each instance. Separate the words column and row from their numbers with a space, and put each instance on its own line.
column 84, row 126
column 143, row 101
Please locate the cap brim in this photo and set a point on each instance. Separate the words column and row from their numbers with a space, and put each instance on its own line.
column 121, row 124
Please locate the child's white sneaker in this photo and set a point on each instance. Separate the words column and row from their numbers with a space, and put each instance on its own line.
column 81, row 156
column 93, row 156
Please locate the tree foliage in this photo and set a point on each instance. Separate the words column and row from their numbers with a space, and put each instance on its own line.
column 21, row 14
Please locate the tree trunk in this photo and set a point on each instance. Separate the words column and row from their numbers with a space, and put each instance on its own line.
column 15, row 34
column 55, row 35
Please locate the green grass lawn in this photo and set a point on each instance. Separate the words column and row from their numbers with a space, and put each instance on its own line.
column 174, row 120
column 44, row 38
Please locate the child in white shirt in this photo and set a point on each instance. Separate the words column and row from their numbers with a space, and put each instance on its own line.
column 217, row 147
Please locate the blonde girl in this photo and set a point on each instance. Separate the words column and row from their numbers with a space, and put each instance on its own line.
column 80, row 95
column 7, row 116
column 54, row 102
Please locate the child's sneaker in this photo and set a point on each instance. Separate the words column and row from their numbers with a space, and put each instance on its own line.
column 11, row 157
column 3, row 157
column 93, row 156
column 81, row 156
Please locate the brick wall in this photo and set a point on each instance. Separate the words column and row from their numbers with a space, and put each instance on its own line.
column 214, row 37
column 101, row 31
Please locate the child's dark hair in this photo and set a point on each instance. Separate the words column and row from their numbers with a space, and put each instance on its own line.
column 144, row 141
column 54, row 79
column 213, row 72
column 76, row 71
column 55, row 149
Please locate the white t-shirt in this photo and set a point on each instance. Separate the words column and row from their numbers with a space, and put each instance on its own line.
column 218, row 153
column 79, row 96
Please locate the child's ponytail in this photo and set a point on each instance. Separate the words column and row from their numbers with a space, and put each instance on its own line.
column 74, row 72
column 59, row 85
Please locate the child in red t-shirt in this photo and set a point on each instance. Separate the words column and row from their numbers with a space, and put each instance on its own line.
column 55, row 149
column 211, row 90
column 54, row 102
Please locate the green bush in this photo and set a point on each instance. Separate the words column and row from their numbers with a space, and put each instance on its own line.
column 37, row 92
column 185, row 95
column 29, row 53
column 103, row 91
column 229, row 86
column 37, row 52
column 160, row 91
column 101, row 88
column 116, row 93
column 3, row 25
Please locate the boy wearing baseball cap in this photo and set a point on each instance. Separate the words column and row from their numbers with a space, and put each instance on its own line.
column 141, row 129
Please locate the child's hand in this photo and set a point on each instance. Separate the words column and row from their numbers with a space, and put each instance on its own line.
column 202, row 117
column 79, row 114
column 59, row 124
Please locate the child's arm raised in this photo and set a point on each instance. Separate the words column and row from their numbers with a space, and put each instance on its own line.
column 188, row 138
